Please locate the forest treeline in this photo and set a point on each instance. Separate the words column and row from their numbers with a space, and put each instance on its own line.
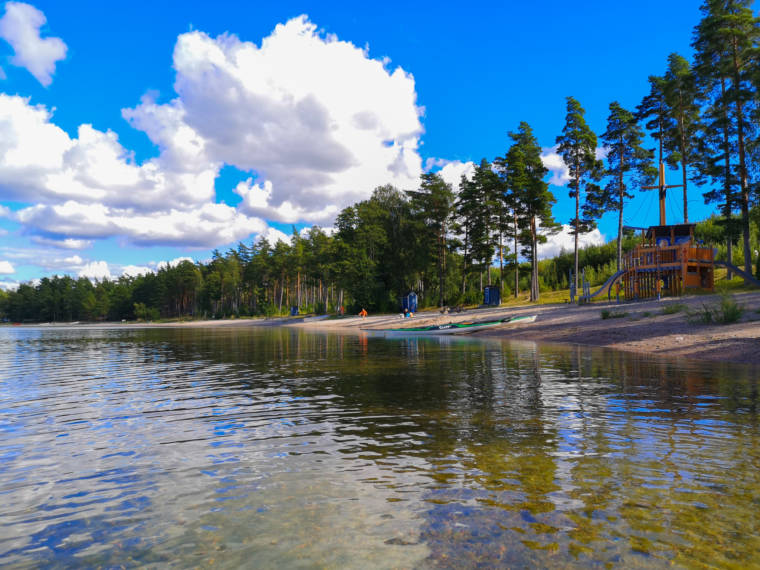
column 446, row 246
column 313, row 272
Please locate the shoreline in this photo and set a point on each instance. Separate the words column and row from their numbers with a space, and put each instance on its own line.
column 644, row 329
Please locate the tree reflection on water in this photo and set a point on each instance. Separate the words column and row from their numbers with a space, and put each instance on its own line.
column 285, row 445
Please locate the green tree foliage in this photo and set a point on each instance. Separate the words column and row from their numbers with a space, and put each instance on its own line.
column 524, row 174
column 577, row 147
column 680, row 89
column 653, row 112
column 627, row 162
column 479, row 215
column 377, row 250
column 726, row 43
column 433, row 208
column 705, row 118
column 671, row 115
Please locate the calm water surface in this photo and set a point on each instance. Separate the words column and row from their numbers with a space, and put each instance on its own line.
column 265, row 447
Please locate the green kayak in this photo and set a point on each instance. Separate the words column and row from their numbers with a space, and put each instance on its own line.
column 455, row 328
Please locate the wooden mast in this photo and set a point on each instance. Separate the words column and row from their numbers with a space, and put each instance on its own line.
column 662, row 187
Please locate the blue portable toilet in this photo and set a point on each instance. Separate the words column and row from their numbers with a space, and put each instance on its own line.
column 409, row 302
column 492, row 296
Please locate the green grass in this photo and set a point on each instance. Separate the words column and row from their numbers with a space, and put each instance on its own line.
column 562, row 296
column 726, row 311
column 607, row 314
column 673, row 308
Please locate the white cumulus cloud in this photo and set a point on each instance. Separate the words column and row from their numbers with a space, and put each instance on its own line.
column 88, row 188
column 559, row 171
column 452, row 171
column 95, row 270
column 206, row 225
column 564, row 240
column 174, row 262
column 39, row 162
column 6, row 268
column 316, row 122
column 68, row 243
column 273, row 235
column 319, row 121
column 553, row 161
column 135, row 270
column 20, row 27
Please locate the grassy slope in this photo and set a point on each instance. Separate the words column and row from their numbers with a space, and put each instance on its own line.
column 736, row 285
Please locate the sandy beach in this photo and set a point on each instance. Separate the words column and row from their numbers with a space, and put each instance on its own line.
column 644, row 328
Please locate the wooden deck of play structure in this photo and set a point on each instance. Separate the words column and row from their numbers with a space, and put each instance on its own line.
column 668, row 262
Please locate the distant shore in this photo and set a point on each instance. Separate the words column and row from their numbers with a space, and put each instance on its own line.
column 645, row 327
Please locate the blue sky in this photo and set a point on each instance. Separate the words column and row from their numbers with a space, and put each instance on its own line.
column 137, row 133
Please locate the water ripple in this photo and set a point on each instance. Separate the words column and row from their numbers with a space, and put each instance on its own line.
column 192, row 447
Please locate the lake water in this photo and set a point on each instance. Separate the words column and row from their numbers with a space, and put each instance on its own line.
column 274, row 447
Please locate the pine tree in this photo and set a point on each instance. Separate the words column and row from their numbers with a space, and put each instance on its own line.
column 653, row 112
column 627, row 161
column 524, row 175
column 509, row 222
column 484, row 181
column 467, row 212
column 577, row 147
column 725, row 42
column 671, row 115
column 680, row 91
column 433, row 204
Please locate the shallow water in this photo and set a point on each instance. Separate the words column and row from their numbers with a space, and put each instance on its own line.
column 268, row 447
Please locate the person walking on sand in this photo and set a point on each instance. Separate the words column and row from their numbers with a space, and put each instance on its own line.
column 363, row 312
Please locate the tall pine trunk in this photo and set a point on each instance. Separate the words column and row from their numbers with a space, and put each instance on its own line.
column 684, row 160
column 742, row 173
column 621, row 195
column 577, row 217
column 501, row 262
column 441, row 267
column 298, row 287
column 533, row 261
column 517, row 268
column 727, row 185
column 464, row 261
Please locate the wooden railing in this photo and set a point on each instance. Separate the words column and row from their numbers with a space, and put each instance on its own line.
column 652, row 257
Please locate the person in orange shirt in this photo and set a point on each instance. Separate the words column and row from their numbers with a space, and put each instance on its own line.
column 363, row 312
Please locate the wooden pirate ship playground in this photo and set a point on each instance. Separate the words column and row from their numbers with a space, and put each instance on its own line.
column 668, row 262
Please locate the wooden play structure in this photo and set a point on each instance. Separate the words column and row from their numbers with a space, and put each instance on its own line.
column 668, row 261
